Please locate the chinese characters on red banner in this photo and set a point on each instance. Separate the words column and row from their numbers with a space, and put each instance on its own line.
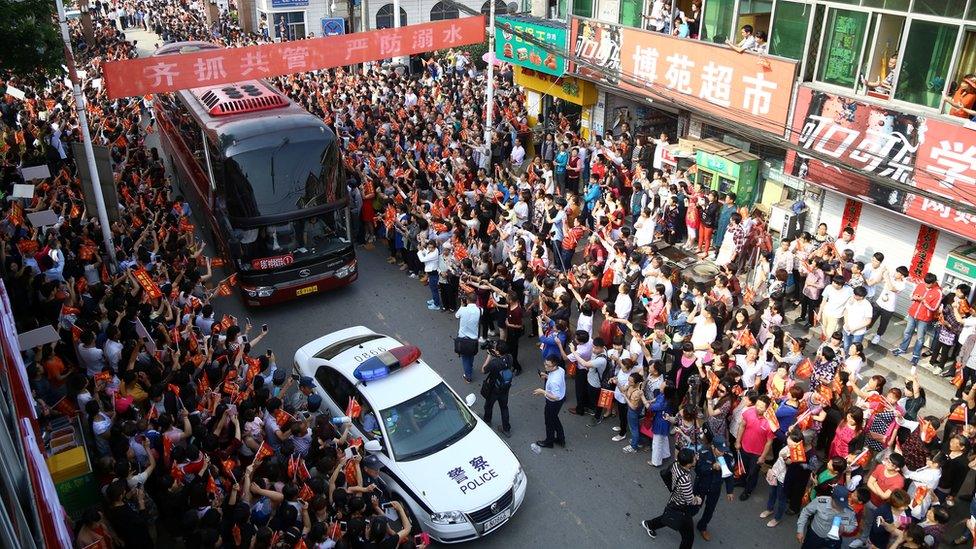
column 926, row 153
column 133, row 77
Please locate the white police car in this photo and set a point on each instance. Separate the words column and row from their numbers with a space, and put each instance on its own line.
column 459, row 480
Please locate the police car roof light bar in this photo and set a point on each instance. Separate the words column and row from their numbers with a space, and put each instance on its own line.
column 385, row 363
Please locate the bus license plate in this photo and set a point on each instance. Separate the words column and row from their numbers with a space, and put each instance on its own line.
column 500, row 518
column 309, row 290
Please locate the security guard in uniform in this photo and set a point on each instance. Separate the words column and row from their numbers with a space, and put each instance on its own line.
column 709, row 479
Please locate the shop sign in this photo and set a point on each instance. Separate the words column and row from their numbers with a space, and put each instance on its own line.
column 960, row 266
column 517, row 51
column 569, row 88
column 147, row 75
column 275, row 4
column 927, row 153
column 716, row 164
column 598, row 44
column 333, row 26
column 753, row 90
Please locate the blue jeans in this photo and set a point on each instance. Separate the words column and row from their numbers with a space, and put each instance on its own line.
column 851, row 339
column 777, row 498
column 432, row 278
column 633, row 423
column 914, row 325
column 467, row 361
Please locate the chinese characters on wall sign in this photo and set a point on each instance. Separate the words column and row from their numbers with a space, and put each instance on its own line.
column 913, row 150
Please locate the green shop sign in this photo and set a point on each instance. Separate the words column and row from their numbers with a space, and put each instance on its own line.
column 517, row 51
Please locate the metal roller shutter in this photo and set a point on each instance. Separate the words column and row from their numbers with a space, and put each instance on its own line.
column 880, row 230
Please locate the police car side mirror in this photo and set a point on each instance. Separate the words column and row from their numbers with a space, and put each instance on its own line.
column 470, row 399
column 373, row 446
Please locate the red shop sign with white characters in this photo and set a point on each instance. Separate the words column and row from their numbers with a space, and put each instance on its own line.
column 946, row 165
column 275, row 262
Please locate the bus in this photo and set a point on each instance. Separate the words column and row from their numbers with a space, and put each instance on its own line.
column 269, row 180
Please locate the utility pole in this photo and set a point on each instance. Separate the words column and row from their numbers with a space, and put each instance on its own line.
column 79, row 96
column 490, row 92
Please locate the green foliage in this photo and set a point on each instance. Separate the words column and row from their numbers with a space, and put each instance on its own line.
column 30, row 39
column 477, row 52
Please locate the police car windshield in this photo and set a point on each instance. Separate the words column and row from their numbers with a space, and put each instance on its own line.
column 426, row 424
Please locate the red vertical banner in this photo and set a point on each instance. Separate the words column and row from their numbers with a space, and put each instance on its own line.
column 851, row 217
column 928, row 237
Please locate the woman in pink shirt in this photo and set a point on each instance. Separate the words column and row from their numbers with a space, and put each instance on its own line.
column 846, row 432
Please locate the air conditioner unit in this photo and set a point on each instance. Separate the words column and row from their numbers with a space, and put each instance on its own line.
column 786, row 222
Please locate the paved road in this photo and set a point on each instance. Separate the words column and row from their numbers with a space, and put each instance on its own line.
column 589, row 494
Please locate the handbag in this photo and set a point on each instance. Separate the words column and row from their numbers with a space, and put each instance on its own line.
column 465, row 346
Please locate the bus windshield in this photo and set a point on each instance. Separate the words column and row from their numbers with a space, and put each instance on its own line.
column 298, row 239
column 285, row 178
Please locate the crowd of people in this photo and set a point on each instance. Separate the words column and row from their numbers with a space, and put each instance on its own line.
column 199, row 434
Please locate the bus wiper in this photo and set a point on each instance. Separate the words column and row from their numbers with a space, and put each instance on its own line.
column 284, row 141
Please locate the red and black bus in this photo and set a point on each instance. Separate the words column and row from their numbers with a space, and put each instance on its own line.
column 268, row 177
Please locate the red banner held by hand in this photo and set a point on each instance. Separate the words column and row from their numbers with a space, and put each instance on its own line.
column 136, row 77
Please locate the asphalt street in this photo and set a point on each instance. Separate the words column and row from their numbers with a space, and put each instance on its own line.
column 590, row 494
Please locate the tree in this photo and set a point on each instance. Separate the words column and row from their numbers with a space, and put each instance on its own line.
column 30, row 39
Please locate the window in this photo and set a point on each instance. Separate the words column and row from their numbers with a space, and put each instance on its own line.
column 581, row 8
column 899, row 5
column 927, row 56
column 717, row 23
column 630, row 12
column 289, row 25
column 442, row 11
column 945, row 8
column 966, row 64
column 384, row 17
column 756, row 13
column 789, row 32
column 500, row 8
column 335, row 385
column 882, row 60
column 840, row 55
column 427, row 423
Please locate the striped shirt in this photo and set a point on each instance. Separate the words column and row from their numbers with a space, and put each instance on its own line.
column 681, row 486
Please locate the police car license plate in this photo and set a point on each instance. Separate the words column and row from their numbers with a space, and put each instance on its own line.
column 309, row 290
column 498, row 519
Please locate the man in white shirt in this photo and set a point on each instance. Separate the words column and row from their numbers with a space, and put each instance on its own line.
column 846, row 241
column 468, row 315
column 884, row 305
column 835, row 297
column 521, row 209
column 857, row 317
column 874, row 276
column 623, row 304
column 555, row 395
column 430, row 256
column 517, row 155
column 753, row 369
column 747, row 43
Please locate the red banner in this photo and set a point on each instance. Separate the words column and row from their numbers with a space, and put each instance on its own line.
column 275, row 262
column 924, row 250
column 136, row 77
column 852, row 215
column 147, row 283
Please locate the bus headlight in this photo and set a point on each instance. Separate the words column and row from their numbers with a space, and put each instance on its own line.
column 259, row 291
column 450, row 517
column 343, row 272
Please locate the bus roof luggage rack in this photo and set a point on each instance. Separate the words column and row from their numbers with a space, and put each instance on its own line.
column 240, row 98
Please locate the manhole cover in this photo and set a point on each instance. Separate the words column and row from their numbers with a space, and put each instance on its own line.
column 704, row 270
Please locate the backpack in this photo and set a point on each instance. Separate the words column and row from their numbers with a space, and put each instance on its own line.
column 635, row 202
column 506, row 375
column 607, row 370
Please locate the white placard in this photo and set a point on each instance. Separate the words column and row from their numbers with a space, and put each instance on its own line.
column 23, row 191
column 37, row 337
column 35, row 172
column 43, row 218
column 16, row 93
column 96, row 83
column 142, row 332
column 82, row 74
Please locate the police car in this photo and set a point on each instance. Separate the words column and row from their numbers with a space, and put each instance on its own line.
column 458, row 479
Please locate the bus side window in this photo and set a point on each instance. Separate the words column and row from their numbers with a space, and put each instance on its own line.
column 217, row 165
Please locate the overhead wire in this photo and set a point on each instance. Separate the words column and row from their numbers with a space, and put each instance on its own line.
column 744, row 129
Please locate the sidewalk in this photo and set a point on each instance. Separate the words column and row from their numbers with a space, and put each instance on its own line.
column 939, row 391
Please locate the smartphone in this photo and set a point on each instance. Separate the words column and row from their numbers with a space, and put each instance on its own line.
column 385, row 506
column 244, row 338
column 264, row 327
column 296, row 377
column 342, row 525
column 422, row 538
column 269, row 353
column 539, row 372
